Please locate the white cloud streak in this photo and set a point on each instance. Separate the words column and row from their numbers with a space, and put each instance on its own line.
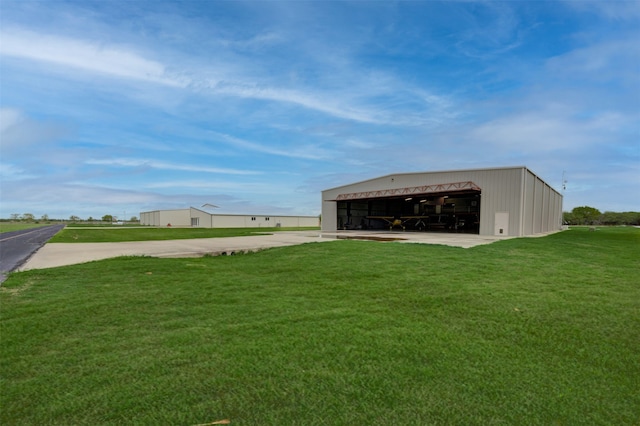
column 94, row 57
column 124, row 63
column 19, row 132
column 162, row 165
column 304, row 153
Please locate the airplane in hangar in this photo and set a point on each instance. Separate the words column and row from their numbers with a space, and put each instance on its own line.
column 392, row 221
column 422, row 222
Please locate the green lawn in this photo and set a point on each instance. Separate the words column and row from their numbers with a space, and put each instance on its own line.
column 123, row 233
column 18, row 226
column 535, row 331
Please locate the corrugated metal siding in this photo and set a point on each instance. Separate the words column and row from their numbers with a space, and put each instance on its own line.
column 533, row 206
column 241, row 221
column 543, row 206
column 501, row 192
column 297, row 221
column 183, row 217
column 329, row 215
column 538, row 200
column 180, row 217
column 150, row 218
column 527, row 211
column 204, row 218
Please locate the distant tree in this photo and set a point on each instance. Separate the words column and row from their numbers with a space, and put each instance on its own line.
column 632, row 218
column 74, row 218
column 624, row 218
column 28, row 217
column 133, row 219
column 107, row 218
column 585, row 215
column 611, row 218
column 45, row 217
column 15, row 216
column 90, row 219
column 567, row 218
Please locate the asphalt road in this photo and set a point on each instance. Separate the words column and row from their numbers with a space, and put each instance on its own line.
column 17, row 246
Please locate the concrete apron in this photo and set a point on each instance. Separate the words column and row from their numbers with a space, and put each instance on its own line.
column 52, row 255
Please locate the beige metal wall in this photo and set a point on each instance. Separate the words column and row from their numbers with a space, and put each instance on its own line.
column 203, row 219
column 504, row 193
column 247, row 221
column 178, row 217
column 165, row 217
column 542, row 207
column 175, row 218
column 193, row 217
column 146, row 218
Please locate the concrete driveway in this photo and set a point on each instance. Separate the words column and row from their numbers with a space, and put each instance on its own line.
column 61, row 254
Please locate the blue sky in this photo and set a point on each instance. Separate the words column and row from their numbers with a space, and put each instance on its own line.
column 110, row 107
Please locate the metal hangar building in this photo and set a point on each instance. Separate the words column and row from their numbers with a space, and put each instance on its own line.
column 196, row 218
column 509, row 201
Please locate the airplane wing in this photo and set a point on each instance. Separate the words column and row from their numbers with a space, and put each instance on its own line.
column 391, row 220
column 388, row 219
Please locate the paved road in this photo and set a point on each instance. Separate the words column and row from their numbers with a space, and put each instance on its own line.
column 17, row 246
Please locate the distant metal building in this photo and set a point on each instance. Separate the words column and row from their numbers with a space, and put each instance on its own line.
column 509, row 201
column 197, row 218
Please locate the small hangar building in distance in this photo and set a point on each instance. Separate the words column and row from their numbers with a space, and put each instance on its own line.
column 509, row 201
column 197, row 218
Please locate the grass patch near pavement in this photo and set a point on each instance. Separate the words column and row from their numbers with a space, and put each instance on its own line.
column 534, row 331
column 16, row 226
column 122, row 233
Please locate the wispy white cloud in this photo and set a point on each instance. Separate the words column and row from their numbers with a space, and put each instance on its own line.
column 359, row 143
column 306, row 100
column 611, row 61
column 304, row 152
column 217, row 185
column 163, row 165
column 495, row 30
column 120, row 61
column 11, row 172
column 20, row 132
column 9, row 117
column 96, row 57
column 255, row 42
column 619, row 10
column 532, row 132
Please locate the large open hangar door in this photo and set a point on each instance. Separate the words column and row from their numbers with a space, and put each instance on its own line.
column 453, row 207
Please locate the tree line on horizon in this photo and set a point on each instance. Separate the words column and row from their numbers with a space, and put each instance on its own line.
column 583, row 215
column 31, row 218
column 586, row 215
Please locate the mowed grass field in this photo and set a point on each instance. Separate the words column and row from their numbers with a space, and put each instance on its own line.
column 18, row 226
column 535, row 331
column 147, row 233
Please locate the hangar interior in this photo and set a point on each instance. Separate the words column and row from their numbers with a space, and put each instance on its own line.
column 451, row 211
